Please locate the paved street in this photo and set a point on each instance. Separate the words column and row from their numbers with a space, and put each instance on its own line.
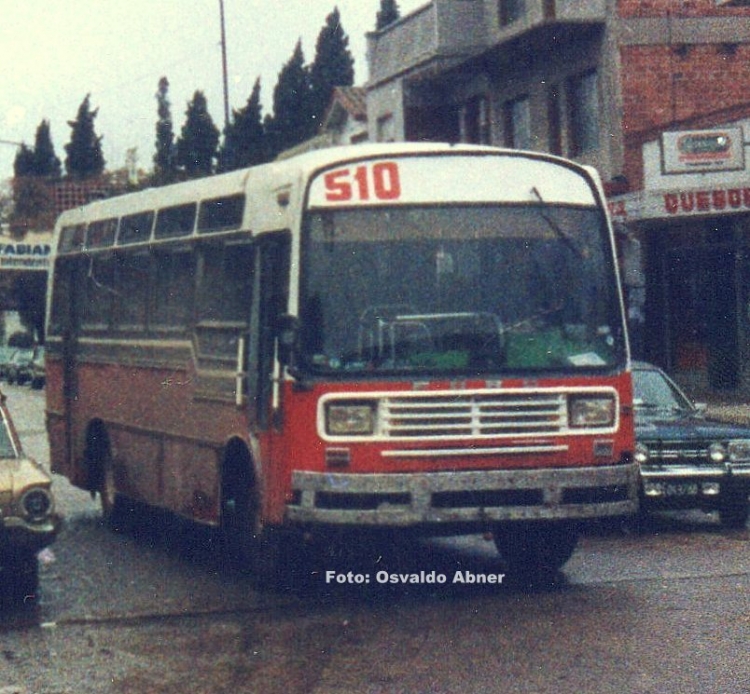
column 149, row 611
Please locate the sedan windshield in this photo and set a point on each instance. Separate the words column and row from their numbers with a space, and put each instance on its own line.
column 654, row 394
column 471, row 288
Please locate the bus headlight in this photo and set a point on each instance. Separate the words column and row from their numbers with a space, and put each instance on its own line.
column 350, row 419
column 738, row 450
column 642, row 454
column 591, row 411
column 36, row 504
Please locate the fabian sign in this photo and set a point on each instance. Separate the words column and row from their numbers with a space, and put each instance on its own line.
column 25, row 256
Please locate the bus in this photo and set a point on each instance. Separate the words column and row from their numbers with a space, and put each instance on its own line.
column 409, row 338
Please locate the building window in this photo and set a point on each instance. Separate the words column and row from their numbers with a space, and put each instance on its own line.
column 510, row 11
column 518, row 123
column 475, row 121
column 583, row 98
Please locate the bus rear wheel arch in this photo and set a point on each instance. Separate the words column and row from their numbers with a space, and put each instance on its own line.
column 267, row 554
column 100, row 476
column 240, row 506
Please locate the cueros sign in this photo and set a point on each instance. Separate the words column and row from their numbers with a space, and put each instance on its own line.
column 702, row 201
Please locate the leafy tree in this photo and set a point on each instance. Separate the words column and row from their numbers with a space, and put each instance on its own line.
column 46, row 162
column 199, row 139
column 387, row 14
column 165, row 169
column 85, row 158
column 244, row 139
column 333, row 65
column 293, row 120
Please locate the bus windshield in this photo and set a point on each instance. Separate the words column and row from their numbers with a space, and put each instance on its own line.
column 477, row 289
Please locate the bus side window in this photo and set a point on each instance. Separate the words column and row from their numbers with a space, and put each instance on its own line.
column 224, row 288
column 174, row 286
column 68, row 279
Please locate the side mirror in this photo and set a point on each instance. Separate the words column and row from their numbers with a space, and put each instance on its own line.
column 287, row 331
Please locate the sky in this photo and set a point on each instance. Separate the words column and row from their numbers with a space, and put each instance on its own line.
column 55, row 52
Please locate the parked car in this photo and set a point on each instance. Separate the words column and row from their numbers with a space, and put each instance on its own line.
column 19, row 369
column 38, row 370
column 6, row 354
column 686, row 459
column 28, row 520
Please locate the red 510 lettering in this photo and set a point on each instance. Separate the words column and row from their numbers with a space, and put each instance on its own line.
column 380, row 181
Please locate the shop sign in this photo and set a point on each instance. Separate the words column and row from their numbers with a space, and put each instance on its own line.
column 25, row 256
column 690, row 151
column 692, row 202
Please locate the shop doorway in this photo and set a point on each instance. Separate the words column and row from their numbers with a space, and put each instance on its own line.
column 702, row 316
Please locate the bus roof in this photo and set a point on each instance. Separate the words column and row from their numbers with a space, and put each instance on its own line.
column 272, row 181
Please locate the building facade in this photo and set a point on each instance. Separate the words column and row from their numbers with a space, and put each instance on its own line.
column 654, row 93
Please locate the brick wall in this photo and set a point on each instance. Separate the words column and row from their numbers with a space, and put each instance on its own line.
column 678, row 8
column 672, row 86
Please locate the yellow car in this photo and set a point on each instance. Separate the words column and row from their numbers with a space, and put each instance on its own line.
column 28, row 520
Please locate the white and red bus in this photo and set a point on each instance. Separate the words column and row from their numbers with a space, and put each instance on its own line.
column 414, row 337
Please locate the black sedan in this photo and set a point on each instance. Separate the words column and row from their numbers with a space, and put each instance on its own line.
column 687, row 460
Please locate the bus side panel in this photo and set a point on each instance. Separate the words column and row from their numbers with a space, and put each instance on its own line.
column 57, row 431
column 159, row 435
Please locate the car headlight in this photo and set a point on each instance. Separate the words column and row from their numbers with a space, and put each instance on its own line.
column 642, row 454
column 717, row 453
column 37, row 504
column 350, row 419
column 739, row 450
column 591, row 411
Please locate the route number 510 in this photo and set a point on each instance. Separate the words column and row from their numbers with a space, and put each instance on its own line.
column 380, row 181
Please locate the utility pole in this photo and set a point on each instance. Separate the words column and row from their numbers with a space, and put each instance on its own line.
column 224, row 65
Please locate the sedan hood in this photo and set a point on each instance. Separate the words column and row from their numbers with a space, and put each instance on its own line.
column 687, row 428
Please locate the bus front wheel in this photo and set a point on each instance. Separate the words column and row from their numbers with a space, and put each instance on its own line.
column 536, row 550
column 247, row 546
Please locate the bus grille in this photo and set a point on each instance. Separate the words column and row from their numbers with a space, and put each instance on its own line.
column 474, row 415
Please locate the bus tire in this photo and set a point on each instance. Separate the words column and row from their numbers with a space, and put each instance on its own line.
column 536, row 550
column 246, row 546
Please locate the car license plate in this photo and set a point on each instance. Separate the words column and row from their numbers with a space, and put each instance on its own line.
column 680, row 489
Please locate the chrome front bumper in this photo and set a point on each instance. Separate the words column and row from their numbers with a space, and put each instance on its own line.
column 708, row 473
column 16, row 533
column 473, row 498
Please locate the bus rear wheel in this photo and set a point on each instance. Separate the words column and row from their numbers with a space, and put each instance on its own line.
column 536, row 550
column 101, row 475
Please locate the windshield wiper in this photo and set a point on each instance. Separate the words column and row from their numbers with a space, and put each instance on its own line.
column 561, row 233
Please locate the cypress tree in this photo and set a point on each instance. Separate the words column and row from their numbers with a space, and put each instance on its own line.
column 84, row 151
column 165, row 170
column 333, row 65
column 23, row 164
column 244, row 139
column 199, row 139
column 293, row 120
column 46, row 163
column 387, row 14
